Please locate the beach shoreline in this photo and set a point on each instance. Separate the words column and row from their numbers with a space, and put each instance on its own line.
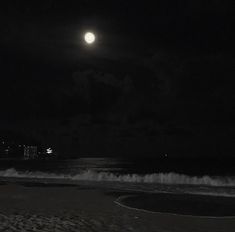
column 84, row 208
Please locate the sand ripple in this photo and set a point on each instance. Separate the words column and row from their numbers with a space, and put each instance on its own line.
column 41, row 223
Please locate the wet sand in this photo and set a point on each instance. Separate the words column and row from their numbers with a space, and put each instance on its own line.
column 184, row 204
column 80, row 208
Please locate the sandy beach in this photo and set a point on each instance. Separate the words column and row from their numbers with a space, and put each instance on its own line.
column 81, row 208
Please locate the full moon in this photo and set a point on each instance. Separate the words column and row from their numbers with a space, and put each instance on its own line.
column 89, row 37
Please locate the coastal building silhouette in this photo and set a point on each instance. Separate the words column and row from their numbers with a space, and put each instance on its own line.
column 30, row 152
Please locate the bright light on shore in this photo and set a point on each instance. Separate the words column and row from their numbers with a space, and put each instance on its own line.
column 49, row 151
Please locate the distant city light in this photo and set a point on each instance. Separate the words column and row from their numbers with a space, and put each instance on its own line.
column 49, row 151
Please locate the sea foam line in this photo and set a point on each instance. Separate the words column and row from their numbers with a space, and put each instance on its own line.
column 158, row 178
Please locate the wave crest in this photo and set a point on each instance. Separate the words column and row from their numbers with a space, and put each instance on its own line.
column 158, row 178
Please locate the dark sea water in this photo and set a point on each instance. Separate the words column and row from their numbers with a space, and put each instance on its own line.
column 200, row 176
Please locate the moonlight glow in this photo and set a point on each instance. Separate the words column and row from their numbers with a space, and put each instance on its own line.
column 89, row 37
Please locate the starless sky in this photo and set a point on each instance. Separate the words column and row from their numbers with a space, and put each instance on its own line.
column 46, row 26
column 166, row 62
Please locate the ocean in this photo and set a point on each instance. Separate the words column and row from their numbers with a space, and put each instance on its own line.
column 204, row 177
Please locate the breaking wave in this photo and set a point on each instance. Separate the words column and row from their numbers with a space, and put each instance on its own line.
column 158, row 178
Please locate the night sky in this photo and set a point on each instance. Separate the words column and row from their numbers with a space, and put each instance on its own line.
column 158, row 80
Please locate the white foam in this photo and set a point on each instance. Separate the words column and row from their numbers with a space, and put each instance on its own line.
column 158, row 178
